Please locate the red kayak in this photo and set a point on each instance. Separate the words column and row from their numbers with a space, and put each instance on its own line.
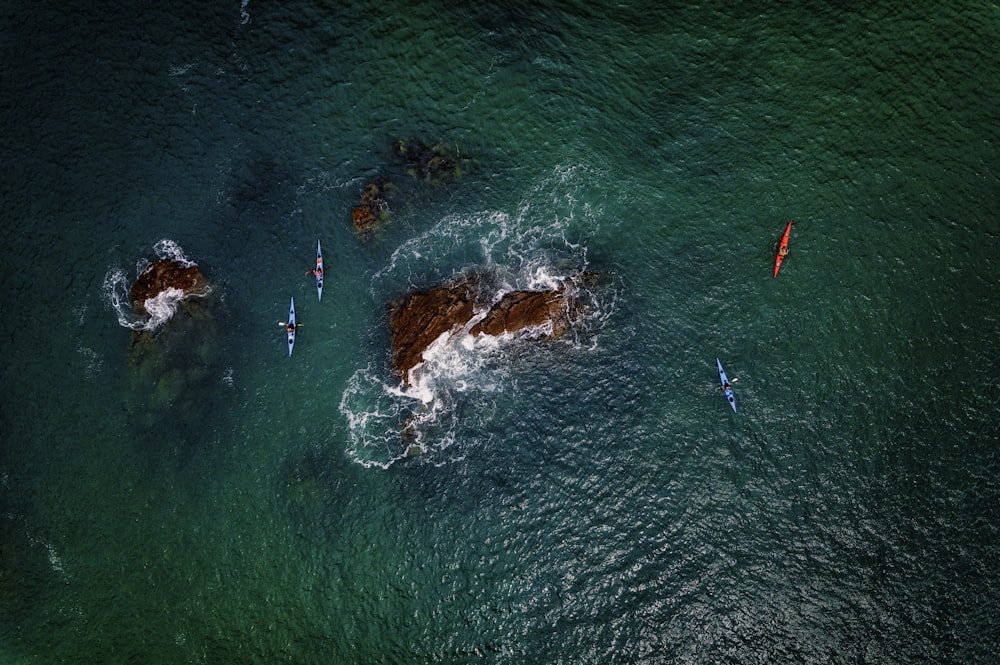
column 782, row 249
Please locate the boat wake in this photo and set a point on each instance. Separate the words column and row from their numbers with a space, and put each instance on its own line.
column 465, row 380
column 161, row 308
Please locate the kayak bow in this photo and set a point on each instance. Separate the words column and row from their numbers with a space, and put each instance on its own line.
column 782, row 249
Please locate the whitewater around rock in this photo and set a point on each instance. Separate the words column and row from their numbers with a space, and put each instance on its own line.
column 467, row 307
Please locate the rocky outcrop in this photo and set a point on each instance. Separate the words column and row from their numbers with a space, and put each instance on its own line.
column 162, row 275
column 419, row 319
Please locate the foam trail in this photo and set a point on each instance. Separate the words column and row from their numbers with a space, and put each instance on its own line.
column 168, row 249
column 115, row 289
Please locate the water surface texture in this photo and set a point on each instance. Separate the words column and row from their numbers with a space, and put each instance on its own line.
column 593, row 499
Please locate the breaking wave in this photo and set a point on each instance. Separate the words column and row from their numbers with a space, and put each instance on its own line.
column 463, row 379
column 160, row 309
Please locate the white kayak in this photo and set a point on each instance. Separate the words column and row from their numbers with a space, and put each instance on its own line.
column 290, row 328
column 723, row 382
column 319, row 271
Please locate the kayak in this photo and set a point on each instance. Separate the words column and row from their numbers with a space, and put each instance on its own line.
column 319, row 271
column 782, row 249
column 291, row 323
column 723, row 380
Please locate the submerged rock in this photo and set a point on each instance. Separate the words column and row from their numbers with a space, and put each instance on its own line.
column 434, row 163
column 462, row 307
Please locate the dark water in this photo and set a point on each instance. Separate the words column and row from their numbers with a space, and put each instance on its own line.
column 588, row 500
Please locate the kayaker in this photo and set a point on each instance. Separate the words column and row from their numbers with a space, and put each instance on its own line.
column 289, row 327
column 315, row 271
column 726, row 386
column 783, row 250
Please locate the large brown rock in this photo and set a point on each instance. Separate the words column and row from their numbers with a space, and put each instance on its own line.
column 547, row 311
column 163, row 274
column 420, row 318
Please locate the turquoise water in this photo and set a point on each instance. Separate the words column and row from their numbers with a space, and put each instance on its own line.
column 588, row 500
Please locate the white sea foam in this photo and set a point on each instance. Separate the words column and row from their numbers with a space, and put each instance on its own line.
column 92, row 361
column 453, row 362
column 374, row 411
column 392, row 421
column 168, row 249
column 54, row 559
column 244, row 12
column 115, row 290
column 161, row 307
column 182, row 70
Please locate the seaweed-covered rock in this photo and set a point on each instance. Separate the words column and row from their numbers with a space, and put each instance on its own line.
column 364, row 219
column 161, row 290
column 434, row 163
column 374, row 207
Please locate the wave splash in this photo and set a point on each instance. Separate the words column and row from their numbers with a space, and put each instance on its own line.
column 461, row 384
column 161, row 308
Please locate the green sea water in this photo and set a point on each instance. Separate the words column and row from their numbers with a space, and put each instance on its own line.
column 593, row 499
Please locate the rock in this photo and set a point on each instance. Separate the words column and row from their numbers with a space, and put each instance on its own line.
column 419, row 319
column 164, row 274
column 373, row 194
column 364, row 219
column 374, row 208
column 434, row 163
column 549, row 311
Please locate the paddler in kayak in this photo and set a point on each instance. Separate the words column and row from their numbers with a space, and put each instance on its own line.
column 317, row 272
column 289, row 327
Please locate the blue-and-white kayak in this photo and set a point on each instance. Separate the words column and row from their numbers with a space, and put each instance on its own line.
column 724, row 381
column 290, row 329
column 319, row 271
